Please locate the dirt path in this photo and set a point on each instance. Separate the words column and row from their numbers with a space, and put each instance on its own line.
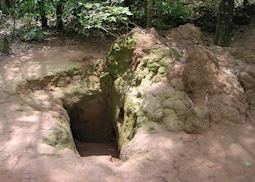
column 224, row 153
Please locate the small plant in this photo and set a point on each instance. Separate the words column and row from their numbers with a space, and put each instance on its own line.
column 247, row 164
column 151, row 129
column 35, row 34
column 174, row 11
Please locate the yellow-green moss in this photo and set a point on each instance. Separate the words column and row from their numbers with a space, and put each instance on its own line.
column 120, row 56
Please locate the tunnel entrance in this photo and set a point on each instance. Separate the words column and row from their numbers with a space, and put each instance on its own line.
column 92, row 129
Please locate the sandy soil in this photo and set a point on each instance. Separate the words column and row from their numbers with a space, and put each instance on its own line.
column 97, row 149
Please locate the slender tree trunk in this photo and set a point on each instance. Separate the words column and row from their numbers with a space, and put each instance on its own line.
column 59, row 12
column 149, row 13
column 5, row 46
column 44, row 19
column 224, row 24
column 14, row 25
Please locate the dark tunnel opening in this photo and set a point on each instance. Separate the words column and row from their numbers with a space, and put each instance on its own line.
column 92, row 129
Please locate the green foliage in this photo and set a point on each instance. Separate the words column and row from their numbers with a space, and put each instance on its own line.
column 199, row 8
column 175, row 12
column 212, row 5
column 165, row 13
column 35, row 34
column 247, row 164
column 108, row 17
column 32, row 8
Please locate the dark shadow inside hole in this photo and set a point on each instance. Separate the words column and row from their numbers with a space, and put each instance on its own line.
column 121, row 115
column 92, row 128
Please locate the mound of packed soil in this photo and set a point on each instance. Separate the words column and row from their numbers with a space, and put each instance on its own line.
column 173, row 105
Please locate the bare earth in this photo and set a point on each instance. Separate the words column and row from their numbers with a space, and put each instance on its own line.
column 226, row 152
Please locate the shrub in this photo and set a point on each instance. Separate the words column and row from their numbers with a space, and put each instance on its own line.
column 34, row 34
column 108, row 17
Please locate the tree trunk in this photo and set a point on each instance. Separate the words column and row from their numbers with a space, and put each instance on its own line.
column 5, row 47
column 59, row 12
column 44, row 19
column 14, row 25
column 149, row 13
column 224, row 24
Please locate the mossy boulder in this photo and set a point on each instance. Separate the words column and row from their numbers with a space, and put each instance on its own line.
column 175, row 83
column 135, row 80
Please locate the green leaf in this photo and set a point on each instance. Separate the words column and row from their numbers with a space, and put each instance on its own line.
column 247, row 164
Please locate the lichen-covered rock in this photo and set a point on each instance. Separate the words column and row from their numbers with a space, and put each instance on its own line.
column 211, row 87
column 141, row 88
column 60, row 135
column 179, row 86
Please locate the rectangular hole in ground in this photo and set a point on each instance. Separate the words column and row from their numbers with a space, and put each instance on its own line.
column 92, row 130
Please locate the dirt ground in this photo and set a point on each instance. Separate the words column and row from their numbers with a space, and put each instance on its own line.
column 226, row 152
column 243, row 47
